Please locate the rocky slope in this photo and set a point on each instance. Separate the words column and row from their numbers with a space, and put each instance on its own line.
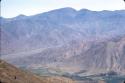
column 58, row 27
column 82, row 42
column 11, row 74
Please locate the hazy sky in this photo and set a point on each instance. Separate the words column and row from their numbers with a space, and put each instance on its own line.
column 12, row 8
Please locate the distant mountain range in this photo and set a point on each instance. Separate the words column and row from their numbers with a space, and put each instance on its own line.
column 81, row 42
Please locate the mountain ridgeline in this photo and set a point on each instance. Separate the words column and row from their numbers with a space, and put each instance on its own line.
column 80, row 42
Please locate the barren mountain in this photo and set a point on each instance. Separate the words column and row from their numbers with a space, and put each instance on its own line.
column 80, row 42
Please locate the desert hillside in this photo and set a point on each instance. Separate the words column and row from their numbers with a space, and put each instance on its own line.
column 11, row 74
